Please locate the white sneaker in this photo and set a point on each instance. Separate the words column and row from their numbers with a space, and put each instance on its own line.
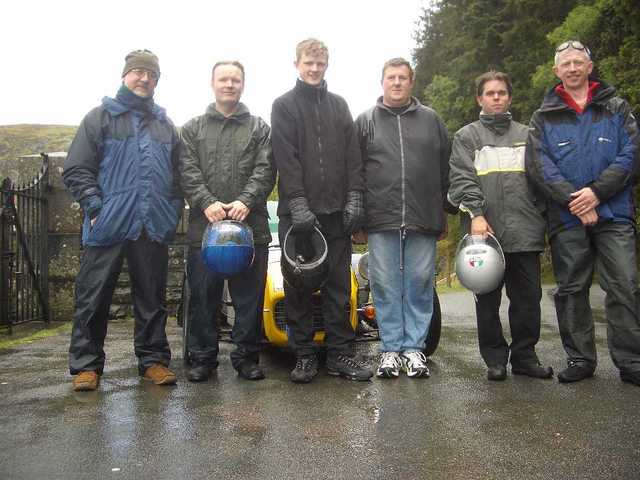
column 390, row 364
column 414, row 364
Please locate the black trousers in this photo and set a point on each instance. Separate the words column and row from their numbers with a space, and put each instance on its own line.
column 247, row 295
column 610, row 248
column 336, row 293
column 96, row 281
column 522, row 281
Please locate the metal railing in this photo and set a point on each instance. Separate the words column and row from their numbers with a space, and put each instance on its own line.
column 24, row 288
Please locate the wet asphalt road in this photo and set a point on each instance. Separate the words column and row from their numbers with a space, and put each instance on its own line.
column 455, row 425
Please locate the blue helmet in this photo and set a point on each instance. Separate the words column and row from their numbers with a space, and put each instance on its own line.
column 227, row 247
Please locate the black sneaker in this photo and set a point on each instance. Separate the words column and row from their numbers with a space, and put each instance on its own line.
column 345, row 366
column 575, row 372
column 630, row 377
column 306, row 368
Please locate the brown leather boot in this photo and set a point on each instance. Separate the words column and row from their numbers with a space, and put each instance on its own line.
column 160, row 375
column 86, row 381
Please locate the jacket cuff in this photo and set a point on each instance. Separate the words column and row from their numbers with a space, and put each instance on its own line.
column 207, row 202
column 247, row 199
column 596, row 191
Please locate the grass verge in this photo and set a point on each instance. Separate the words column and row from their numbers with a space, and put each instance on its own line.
column 27, row 334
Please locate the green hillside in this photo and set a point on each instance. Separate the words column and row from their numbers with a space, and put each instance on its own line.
column 17, row 140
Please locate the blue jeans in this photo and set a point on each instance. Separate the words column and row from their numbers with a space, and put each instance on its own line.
column 401, row 273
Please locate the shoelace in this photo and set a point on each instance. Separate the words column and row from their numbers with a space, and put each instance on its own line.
column 416, row 359
column 389, row 360
column 348, row 360
column 304, row 364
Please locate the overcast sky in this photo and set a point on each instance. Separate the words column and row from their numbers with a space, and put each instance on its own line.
column 59, row 58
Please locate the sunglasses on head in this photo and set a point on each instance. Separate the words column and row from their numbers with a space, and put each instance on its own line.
column 576, row 45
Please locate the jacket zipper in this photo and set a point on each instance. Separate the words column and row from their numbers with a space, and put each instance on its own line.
column 403, row 231
column 402, row 173
column 317, row 109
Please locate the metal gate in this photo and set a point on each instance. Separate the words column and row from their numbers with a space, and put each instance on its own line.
column 24, row 292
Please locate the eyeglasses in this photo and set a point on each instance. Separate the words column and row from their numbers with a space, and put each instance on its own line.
column 576, row 45
column 140, row 72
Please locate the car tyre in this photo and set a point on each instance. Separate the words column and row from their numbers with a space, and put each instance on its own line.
column 433, row 337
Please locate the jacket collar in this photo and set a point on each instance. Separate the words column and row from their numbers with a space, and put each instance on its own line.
column 553, row 102
column 115, row 108
column 311, row 91
column 241, row 112
column 498, row 123
column 414, row 104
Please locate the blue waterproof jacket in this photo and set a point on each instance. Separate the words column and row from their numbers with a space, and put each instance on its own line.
column 122, row 168
column 598, row 148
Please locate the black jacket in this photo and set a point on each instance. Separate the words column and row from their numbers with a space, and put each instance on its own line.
column 226, row 159
column 406, row 165
column 315, row 148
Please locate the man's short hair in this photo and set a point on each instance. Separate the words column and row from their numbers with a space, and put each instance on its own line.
column 493, row 75
column 235, row 63
column 312, row 47
column 397, row 62
column 571, row 45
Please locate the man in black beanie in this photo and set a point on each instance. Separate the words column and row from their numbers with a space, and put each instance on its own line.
column 122, row 169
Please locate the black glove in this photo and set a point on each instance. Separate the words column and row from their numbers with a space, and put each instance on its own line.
column 353, row 213
column 302, row 219
column 91, row 204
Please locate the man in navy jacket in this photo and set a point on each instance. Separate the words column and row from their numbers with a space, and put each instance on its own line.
column 122, row 168
column 582, row 153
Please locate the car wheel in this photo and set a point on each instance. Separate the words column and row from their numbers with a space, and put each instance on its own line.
column 433, row 337
column 185, row 321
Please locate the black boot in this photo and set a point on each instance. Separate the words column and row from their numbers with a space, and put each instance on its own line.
column 250, row 370
column 534, row 370
column 575, row 372
column 199, row 373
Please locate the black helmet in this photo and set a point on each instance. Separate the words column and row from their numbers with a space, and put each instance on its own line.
column 304, row 259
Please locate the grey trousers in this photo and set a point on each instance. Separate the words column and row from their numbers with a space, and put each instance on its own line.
column 610, row 248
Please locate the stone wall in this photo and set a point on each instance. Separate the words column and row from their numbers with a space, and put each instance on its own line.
column 65, row 221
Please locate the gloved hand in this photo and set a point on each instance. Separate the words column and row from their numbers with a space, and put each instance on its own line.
column 353, row 213
column 91, row 204
column 302, row 219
